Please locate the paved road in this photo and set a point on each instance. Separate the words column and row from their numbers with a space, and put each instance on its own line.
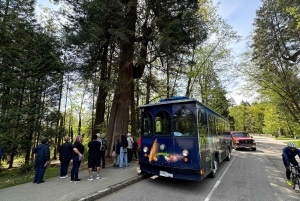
column 253, row 176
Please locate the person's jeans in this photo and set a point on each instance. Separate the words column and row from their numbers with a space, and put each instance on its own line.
column 39, row 173
column 102, row 159
column 75, row 168
column 64, row 164
column 123, row 156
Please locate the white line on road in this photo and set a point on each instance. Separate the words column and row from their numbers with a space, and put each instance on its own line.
column 218, row 182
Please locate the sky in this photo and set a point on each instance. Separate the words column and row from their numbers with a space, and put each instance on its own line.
column 240, row 15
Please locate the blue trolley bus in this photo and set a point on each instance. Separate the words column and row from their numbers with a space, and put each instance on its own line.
column 182, row 138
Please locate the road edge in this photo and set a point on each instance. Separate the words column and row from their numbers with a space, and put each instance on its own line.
column 111, row 189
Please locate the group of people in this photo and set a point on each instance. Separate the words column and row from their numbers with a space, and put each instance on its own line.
column 67, row 152
column 124, row 149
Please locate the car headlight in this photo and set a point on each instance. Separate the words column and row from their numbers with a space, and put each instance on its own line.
column 185, row 152
column 145, row 149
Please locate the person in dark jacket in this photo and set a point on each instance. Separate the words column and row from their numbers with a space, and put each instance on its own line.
column 65, row 156
column 116, row 148
column 78, row 156
column 123, row 152
column 42, row 159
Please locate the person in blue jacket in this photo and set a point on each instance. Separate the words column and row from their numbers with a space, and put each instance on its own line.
column 42, row 152
column 289, row 154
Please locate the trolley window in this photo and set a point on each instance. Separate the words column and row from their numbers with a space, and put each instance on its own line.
column 147, row 124
column 184, row 123
column 163, row 123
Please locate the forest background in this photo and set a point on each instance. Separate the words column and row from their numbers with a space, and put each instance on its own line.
column 86, row 67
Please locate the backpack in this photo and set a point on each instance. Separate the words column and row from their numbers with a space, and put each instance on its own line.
column 103, row 147
column 134, row 145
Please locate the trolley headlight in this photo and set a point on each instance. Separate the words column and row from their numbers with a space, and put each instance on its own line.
column 185, row 152
column 145, row 149
column 162, row 147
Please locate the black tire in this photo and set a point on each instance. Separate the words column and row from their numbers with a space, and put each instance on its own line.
column 253, row 149
column 213, row 173
column 228, row 155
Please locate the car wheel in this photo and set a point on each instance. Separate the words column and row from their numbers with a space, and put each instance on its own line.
column 253, row 149
column 228, row 155
column 213, row 173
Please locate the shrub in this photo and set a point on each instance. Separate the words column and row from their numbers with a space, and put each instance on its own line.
column 27, row 168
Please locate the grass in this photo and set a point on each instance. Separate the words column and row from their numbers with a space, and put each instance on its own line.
column 297, row 142
column 15, row 176
column 18, row 175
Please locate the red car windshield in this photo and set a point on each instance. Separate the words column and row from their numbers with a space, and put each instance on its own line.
column 241, row 135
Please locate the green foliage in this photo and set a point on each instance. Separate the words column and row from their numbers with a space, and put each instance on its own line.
column 26, row 168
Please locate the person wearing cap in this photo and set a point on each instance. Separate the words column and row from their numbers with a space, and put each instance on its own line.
column 289, row 154
column 65, row 156
column 42, row 159
column 129, row 148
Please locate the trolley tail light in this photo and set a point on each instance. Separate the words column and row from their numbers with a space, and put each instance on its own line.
column 201, row 171
column 185, row 159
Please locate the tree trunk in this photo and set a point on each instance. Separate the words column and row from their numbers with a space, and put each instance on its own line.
column 119, row 117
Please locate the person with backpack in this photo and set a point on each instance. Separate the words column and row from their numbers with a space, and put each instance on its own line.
column 103, row 150
column 129, row 148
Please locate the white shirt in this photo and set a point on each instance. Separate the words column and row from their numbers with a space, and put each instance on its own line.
column 129, row 140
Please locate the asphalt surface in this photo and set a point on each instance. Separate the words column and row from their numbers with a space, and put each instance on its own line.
column 111, row 179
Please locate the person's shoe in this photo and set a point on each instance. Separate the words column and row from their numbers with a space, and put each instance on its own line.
column 66, row 176
column 34, row 182
column 114, row 165
column 90, row 179
column 71, row 181
column 77, row 180
column 120, row 168
column 98, row 177
column 62, row 177
column 40, row 182
column 289, row 182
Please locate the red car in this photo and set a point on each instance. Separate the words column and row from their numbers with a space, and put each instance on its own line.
column 242, row 139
